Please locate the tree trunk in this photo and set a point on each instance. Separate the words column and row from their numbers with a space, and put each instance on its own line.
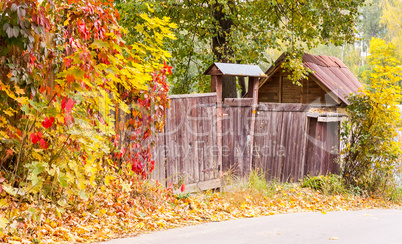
column 222, row 52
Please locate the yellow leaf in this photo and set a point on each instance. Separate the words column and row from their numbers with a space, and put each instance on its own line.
column 3, row 203
column 3, row 222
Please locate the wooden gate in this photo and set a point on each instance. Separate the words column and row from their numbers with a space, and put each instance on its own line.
column 187, row 152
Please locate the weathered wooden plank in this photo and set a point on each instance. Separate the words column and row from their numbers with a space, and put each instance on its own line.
column 244, row 137
column 232, row 138
column 318, row 148
column 252, row 123
column 213, row 136
column 230, row 134
column 225, row 138
column 194, row 167
column 237, row 102
column 171, row 146
column 201, row 186
column 219, row 115
column 325, row 149
column 181, row 96
column 330, row 119
column 201, row 138
column 303, row 140
column 283, row 107
column 273, row 156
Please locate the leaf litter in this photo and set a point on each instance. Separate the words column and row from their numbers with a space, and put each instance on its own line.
column 127, row 209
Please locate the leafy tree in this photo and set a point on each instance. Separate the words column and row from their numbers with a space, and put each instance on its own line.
column 66, row 75
column 370, row 25
column 371, row 153
column 392, row 18
column 382, row 55
column 241, row 31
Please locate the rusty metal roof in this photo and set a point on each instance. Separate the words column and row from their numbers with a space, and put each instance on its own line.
column 333, row 74
column 235, row 70
column 330, row 71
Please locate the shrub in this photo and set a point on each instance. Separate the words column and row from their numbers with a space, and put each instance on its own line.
column 370, row 158
column 331, row 184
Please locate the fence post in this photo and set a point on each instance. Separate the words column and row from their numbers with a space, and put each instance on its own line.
column 253, row 84
column 217, row 79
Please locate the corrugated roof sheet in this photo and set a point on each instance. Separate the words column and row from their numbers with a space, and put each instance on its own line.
column 237, row 69
column 333, row 74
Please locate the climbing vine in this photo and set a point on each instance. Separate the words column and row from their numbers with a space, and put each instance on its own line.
column 77, row 103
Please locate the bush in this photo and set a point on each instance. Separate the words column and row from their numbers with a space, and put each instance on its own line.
column 370, row 158
column 330, row 184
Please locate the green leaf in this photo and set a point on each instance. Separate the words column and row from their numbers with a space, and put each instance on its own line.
column 10, row 190
column 63, row 179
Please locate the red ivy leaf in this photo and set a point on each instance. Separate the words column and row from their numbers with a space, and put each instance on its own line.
column 69, row 105
column 70, row 78
column 183, row 187
column 43, row 144
column 63, row 103
column 68, row 119
column 34, row 138
column 48, row 122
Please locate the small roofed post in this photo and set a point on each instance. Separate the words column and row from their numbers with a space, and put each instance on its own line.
column 217, row 71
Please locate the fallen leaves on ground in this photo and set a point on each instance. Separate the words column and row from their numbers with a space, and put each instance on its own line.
column 120, row 210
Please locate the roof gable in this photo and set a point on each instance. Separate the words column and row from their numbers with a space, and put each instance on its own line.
column 330, row 71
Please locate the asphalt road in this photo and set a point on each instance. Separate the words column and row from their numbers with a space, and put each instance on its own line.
column 365, row 226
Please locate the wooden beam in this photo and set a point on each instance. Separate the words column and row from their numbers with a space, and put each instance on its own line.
column 280, row 88
column 254, row 92
column 238, row 102
column 200, row 186
column 284, row 107
column 219, row 117
column 213, row 84
column 197, row 95
column 303, row 92
column 330, row 119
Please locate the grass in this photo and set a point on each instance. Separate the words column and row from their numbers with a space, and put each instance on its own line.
column 330, row 184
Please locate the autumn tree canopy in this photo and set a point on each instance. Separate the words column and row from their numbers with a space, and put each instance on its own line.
column 240, row 32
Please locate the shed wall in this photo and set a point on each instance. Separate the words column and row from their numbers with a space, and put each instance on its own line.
column 279, row 89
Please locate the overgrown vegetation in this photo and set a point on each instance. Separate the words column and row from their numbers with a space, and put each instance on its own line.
column 79, row 106
column 69, row 87
column 371, row 157
column 330, row 184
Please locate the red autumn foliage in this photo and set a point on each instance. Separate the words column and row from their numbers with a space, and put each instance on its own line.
column 48, row 122
column 43, row 144
column 34, row 138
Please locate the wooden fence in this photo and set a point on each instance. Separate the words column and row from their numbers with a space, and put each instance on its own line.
column 289, row 143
